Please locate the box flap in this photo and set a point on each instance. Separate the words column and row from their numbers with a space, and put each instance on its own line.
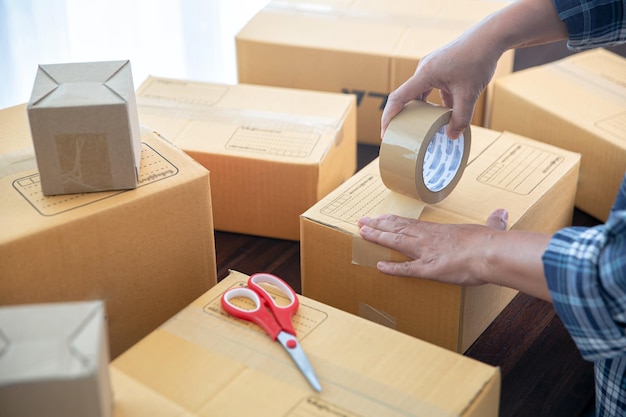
column 121, row 81
column 50, row 341
column 79, row 84
column 45, row 85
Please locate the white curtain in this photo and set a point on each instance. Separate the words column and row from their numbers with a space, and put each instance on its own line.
column 188, row 39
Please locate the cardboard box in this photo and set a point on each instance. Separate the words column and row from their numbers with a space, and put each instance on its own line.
column 85, row 129
column 54, row 361
column 146, row 252
column 272, row 152
column 577, row 103
column 362, row 47
column 526, row 177
column 221, row 366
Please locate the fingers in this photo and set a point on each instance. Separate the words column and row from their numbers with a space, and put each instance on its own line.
column 371, row 221
column 392, row 108
column 386, row 223
column 394, row 232
column 498, row 219
column 399, row 269
column 385, row 238
column 412, row 89
column 462, row 106
column 462, row 112
column 386, row 230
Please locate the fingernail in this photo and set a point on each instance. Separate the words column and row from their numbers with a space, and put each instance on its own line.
column 504, row 215
column 454, row 134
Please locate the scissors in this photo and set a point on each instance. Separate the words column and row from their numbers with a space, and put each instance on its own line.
column 271, row 317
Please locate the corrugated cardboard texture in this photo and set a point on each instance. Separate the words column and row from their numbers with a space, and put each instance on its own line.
column 272, row 152
column 363, row 48
column 212, row 364
column 85, row 129
column 146, row 252
column 577, row 103
column 526, row 177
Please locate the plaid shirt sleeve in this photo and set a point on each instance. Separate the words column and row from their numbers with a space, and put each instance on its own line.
column 593, row 23
column 586, row 267
column 586, row 274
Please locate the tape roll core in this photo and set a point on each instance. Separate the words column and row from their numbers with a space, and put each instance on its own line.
column 416, row 156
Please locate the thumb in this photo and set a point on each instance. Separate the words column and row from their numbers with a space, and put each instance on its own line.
column 498, row 219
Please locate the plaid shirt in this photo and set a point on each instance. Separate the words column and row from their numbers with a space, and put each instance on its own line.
column 586, row 267
column 586, row 273
column 593, row 23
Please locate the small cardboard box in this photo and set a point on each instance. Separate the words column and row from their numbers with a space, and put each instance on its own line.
column 272, row 152
column 84, row 125
column 54, row 361
column 146, row 252
column 577, row 103
column 203, row 362
column 528, row 178
column 365, row 48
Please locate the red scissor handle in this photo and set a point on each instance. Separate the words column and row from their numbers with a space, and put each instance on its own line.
column 283, row 314
column 259, row 315
column 281, row 319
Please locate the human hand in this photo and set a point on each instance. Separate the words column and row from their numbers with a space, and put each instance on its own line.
column 460, row 70
column 443, row 252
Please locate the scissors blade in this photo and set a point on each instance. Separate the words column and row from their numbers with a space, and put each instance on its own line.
column 292, row 346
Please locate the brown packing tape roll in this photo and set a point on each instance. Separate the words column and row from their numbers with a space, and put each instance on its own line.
column 416, row 156
column 418, row 160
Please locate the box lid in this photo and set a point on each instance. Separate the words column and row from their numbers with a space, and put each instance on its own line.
column 25, row 210
column 82, row 84
column 219, row 364
column 368, row 27
column 50, row 341
column 587, row 89
column 246, row 121
column 503, row 170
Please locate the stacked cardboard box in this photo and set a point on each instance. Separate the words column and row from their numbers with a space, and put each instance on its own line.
column 365, row 48
column 220, row 365
column 146, row 252
column 528, row 178
column 83, row 120
column 576, row 103
column 272, row 152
